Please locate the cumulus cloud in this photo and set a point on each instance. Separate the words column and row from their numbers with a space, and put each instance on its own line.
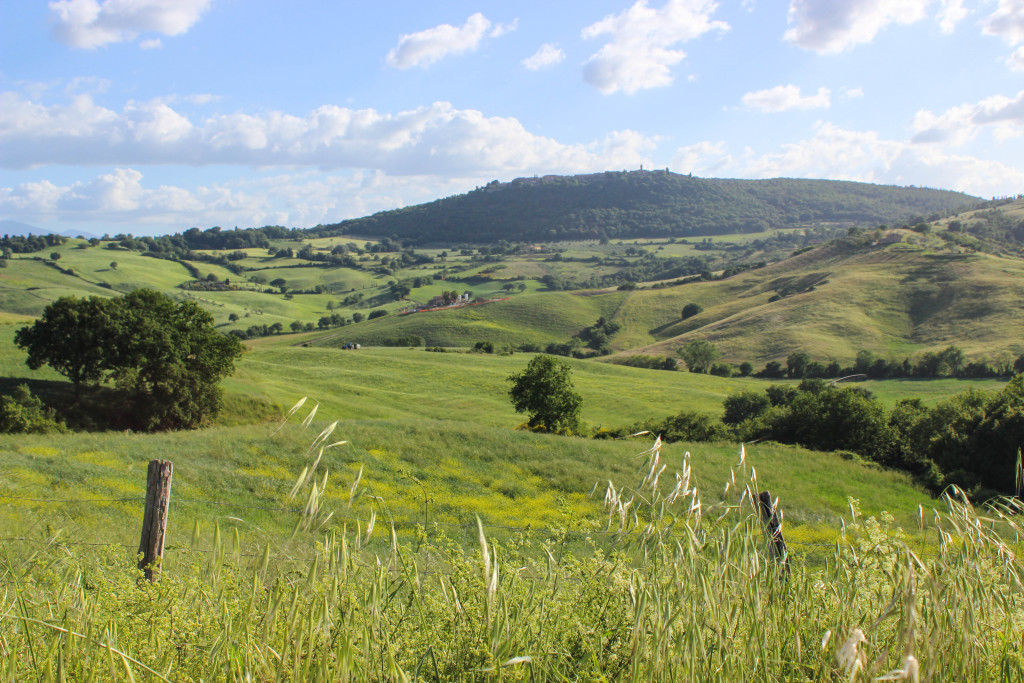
column 502, row 29
column 428, row 46
column 643, row 44
column 785, row 97
column 950, row 14
column 703, row 159
column 957, row 125
column 837, row 153
column 437, row 139
column 90, row 23
column 1016, row 60
column 830, row 26
column 1006, row 22
column 547, row 55
column 121, row 197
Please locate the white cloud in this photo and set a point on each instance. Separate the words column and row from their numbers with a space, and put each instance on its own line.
column 1016, row 60
column 830, row 26
column 119, row 191
column 957, row 125
column 1007, row 22
column 786, row 97
column 547, row 55
column 501, row 29
column 707, row 159
column 950, row 14
column 853, row 93
column 643, row 44
column 91, row 23
column 201, row 98
column 432, row 140
column 428, row 46
column 153, row 44
column 863, row 156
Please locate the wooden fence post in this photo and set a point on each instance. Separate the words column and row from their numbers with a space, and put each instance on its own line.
column 770, row 518
column 154, row 520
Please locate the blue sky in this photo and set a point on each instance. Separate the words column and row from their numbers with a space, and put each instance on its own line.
column 154, row 116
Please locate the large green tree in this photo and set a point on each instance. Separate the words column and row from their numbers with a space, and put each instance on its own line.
column 165, row 357
column 76, row 337
column 545, row 391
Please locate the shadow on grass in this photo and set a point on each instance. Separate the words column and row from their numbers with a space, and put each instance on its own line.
column 96, row 408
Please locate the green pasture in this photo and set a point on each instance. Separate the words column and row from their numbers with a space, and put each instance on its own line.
column 421, row 470
column 523, row 318
column 308, row 276
column 27, row 286
column 133, row 271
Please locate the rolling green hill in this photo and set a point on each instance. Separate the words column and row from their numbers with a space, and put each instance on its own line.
column 894, row 299
column 540, row 318
column 645, row 204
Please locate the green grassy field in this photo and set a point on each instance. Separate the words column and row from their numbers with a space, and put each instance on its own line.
column 444, row 421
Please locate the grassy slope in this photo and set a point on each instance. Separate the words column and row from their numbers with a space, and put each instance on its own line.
column 523, row 318
column 438, row 419
column 896, row 300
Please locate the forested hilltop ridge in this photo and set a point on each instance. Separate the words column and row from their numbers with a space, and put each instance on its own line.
column 643, row 203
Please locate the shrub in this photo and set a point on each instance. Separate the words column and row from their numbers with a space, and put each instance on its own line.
column 746, row 405
column 722, row 369
column 688, row 425
column 651, row 362
column 21, row 412
column 690, row 310
column 376, row 313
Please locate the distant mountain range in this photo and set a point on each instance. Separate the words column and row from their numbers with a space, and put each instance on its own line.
column 647, row 204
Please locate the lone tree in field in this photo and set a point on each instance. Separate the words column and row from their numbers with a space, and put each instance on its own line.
column 544, row 390
column 699, row 355
column 165, row 358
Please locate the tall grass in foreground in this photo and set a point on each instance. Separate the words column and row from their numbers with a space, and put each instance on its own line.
column 673, row 587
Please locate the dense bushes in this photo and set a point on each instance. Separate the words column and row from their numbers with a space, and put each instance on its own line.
column 688, row 425
column 650, row 362
column 23, row 413
column 971, row 440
